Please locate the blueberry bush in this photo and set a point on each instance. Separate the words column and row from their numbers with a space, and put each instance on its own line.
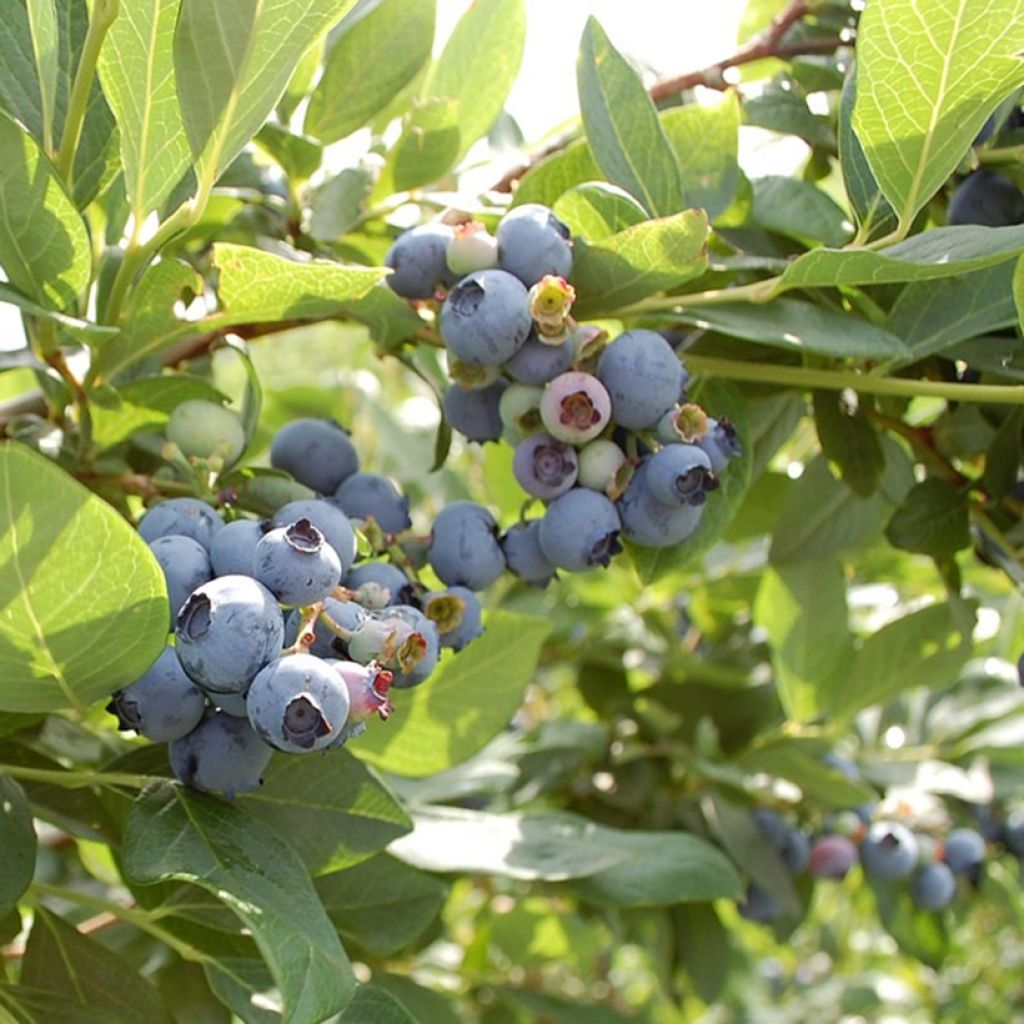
column 588, row 597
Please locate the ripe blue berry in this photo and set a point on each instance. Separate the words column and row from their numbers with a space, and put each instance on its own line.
column 394, row 585
column 544, row 467
column 232, row 549
column 759, row 905
column 524, row 555
column 188, row 517
column 457, row 614
column 317, row 453
column 486, row 318
column 327, row 643
column 832, row 857
column 965, row 851
column 933, row 886
column 298, row 703
column 889, row 851
column 418, row 258
column 538, row 362
column 474, row 412
column 651, row 523
column 533, row 242
column 575, row 407
column 220, row 755
column 720, row 443
column 643, row 376
column 296, row 564
column 989, row 198
column 464, row 548
column 372, row 496
column 328, row 519
column 163, row 704
column 680, row 474
column 185, row 564
column 202, row 428
column 226, row 632
column 580, row 530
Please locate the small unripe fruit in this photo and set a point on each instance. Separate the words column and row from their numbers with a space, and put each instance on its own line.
column 575, row 407
column 203, row 429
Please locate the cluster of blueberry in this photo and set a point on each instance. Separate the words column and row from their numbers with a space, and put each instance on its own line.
column 280, row 639
column 602, row 433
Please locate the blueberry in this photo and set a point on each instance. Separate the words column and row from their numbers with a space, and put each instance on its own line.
column 203, row 429
column 544, row 467
column 988, row 198
column 328, row 519
column 220, row 755
column 188, row 517
column 232, row 549
column 464, row 548
column 600, row 463
column 419, row 260
column 296, row 564
column 832, row 857
column 328, row 644
column 386, row 639
column 933, row 886
column 471, row 248
column 533, row 242
column 230, row 704
column 384, row 575
column 1020, row 670
column 789, row 843
column 580, row 530
column 721, row 443
column 457, row 614
column 575, row 407
column 226, row 632
column 406, row 678
column 317, row 453
column 772, row 827
column 538, row 362
column 486, row 317
column 519, row 410
column 524, row 555
column 643, row 376
column 685, row 423
column 474, row 412
column 651, row 523
column 680, row 474
column 372, row 496
column 298, row 703
column 759, row 905
column 889, row 851
column 185, row 564
column 965, row 852
column 163, row 704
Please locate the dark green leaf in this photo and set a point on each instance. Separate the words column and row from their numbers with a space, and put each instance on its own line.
column 60, row 959
column 370, row 60
column 800, row 210
column 337, row 206
column 174, row 834
column 442, row 724
column 787, row 113
column 1003, row 458
column 85, row 605
column 334, row 811
column 932, row 520
column 18, row 841
column 297, row 155
column 644, row 259
column 802, row 608
column 848, row 439
column 23, row 1005
column 622, row 126
column 372, row 1005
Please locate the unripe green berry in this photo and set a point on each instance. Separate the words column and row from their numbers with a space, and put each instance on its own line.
column 203, row 429
column 599, row 465
column 519, row 409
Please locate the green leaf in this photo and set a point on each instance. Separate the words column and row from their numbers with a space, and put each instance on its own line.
column 83, row 607
column 932, row 520
column 848, row 438
column 556, row 846
column 873, row 212
column 137, row 70
column 931, row 316
column 44, row 247
column 174, row 834
column 622, row 126
column 60, row 959
column 373, row 1005
column 478, row 65
column 437, row 726
column 427, row 148
column 338, row 205
column 799, row 210
column 18, row 841
column 938, row 253
column 595, row 210
column 928, row 77
column 381, row 904
column 925, row 648
column 646, row 258
column 802, row 608
column 298, row 156
column 1003, row 457
column 799, row 327
column 332, row 809
column 234, row 59
column 369, row 61
column 547, row 180
column 391, row 320
column 84, row 331
column 722, row 400
column 42, row 19
column 705, row 141
column 23, row 1005
column 786, row 112
column 256, row 286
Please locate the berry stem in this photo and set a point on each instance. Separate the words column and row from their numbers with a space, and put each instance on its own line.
column 68, row 779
